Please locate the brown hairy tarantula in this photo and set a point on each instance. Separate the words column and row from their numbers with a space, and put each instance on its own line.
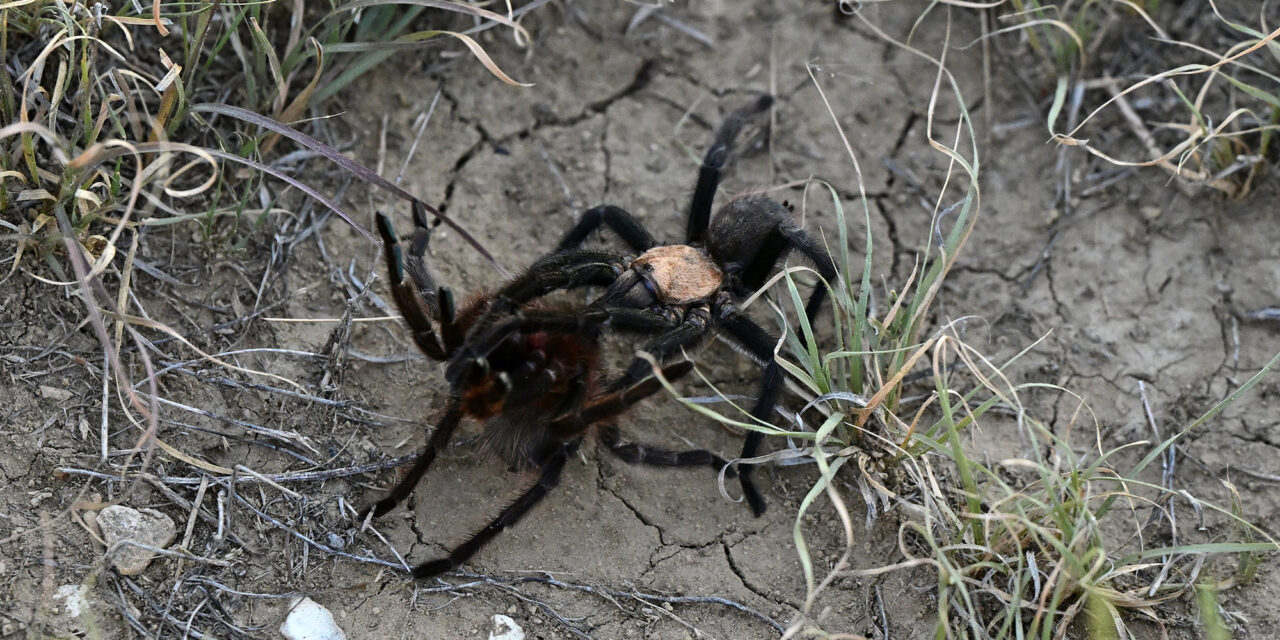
column 529, row 370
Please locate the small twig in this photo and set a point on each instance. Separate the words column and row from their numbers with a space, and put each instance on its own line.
column 284, row 436
column 299, row 535
column 179, row 500
column 633, row 595
column 241, row 468
column 417, row 137
column 300, row 476
column 115, row 548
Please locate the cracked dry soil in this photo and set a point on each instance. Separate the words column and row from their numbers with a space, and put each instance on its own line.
column 1140, row 284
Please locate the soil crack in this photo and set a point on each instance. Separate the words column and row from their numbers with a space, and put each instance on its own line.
column 543, row 121
column 634, row 511
column 737, row 571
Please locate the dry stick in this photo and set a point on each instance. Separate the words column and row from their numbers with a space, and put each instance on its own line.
column 254, row 386
column 275, row 434
column 422, row 128
column 191, row 526
column 299, row 476
column 165, row 615
column 546, row 609
column 118, row 546
column 297, row 534
column 208, row 518
column 126, row 609
column 604, row 591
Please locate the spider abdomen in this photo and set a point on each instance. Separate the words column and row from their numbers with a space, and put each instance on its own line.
column 743, row 228
column 554, row 373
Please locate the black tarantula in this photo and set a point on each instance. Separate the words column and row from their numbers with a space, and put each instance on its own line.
column 529, row 370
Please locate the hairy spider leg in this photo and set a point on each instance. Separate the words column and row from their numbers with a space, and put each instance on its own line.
column 589, row 320
column 438, row 298
column 637, row 453
column 712, row 169
column 554, row 272
column 759, row 343
column 418, row 309
column 691, row 331
column 551, row 466
column 547, row 480
column 779, row 241
column 619, row 220
column 421, row 300
column 440, row 438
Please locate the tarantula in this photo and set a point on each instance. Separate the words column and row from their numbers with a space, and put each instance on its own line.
column 537, row 391
column 695, row 286
column 529, row 371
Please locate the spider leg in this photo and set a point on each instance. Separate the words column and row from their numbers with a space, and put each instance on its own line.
column 417, row 267
column 567, row 270
column 686, row 334
column 636, row 453
column 409, row 290
column 704, row 192
column 759, row 343
column 610, row 405
column 438, row 440
column 623, row 223
column 589, row 320
column 547, row 480
column 822, row 261
column 552, row 466
column 779, row 240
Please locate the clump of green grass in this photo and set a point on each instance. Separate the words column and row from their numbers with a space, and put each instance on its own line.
column 106, row 117
column 1069, row 532
column 1204, row 111
column 117, row 121
column 116, row 126
column 119, row 125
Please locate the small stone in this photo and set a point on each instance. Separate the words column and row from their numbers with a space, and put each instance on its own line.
column 70, row 601
column 504, row 628
column 55, row 394
column 307, row 620
column 336, row 541
column 146, row 526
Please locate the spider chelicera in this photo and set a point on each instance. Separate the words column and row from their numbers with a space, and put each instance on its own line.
column 529, row 370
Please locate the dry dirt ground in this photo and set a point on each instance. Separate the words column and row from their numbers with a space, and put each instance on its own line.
column 1137, row 282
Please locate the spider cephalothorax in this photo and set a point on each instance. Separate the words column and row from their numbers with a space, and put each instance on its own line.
column 529, row 372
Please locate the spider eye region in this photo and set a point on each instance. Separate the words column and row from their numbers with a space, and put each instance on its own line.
column 679, row 274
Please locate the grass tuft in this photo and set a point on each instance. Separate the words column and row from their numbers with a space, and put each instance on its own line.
column 1197, row 98
column 1067, row 532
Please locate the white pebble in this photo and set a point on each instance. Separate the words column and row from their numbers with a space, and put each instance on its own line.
column 73, row 599
column 307, row 620
column 504, row 628
column 70, row 602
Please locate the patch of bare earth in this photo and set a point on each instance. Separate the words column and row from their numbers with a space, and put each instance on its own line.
column 1140, row 283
